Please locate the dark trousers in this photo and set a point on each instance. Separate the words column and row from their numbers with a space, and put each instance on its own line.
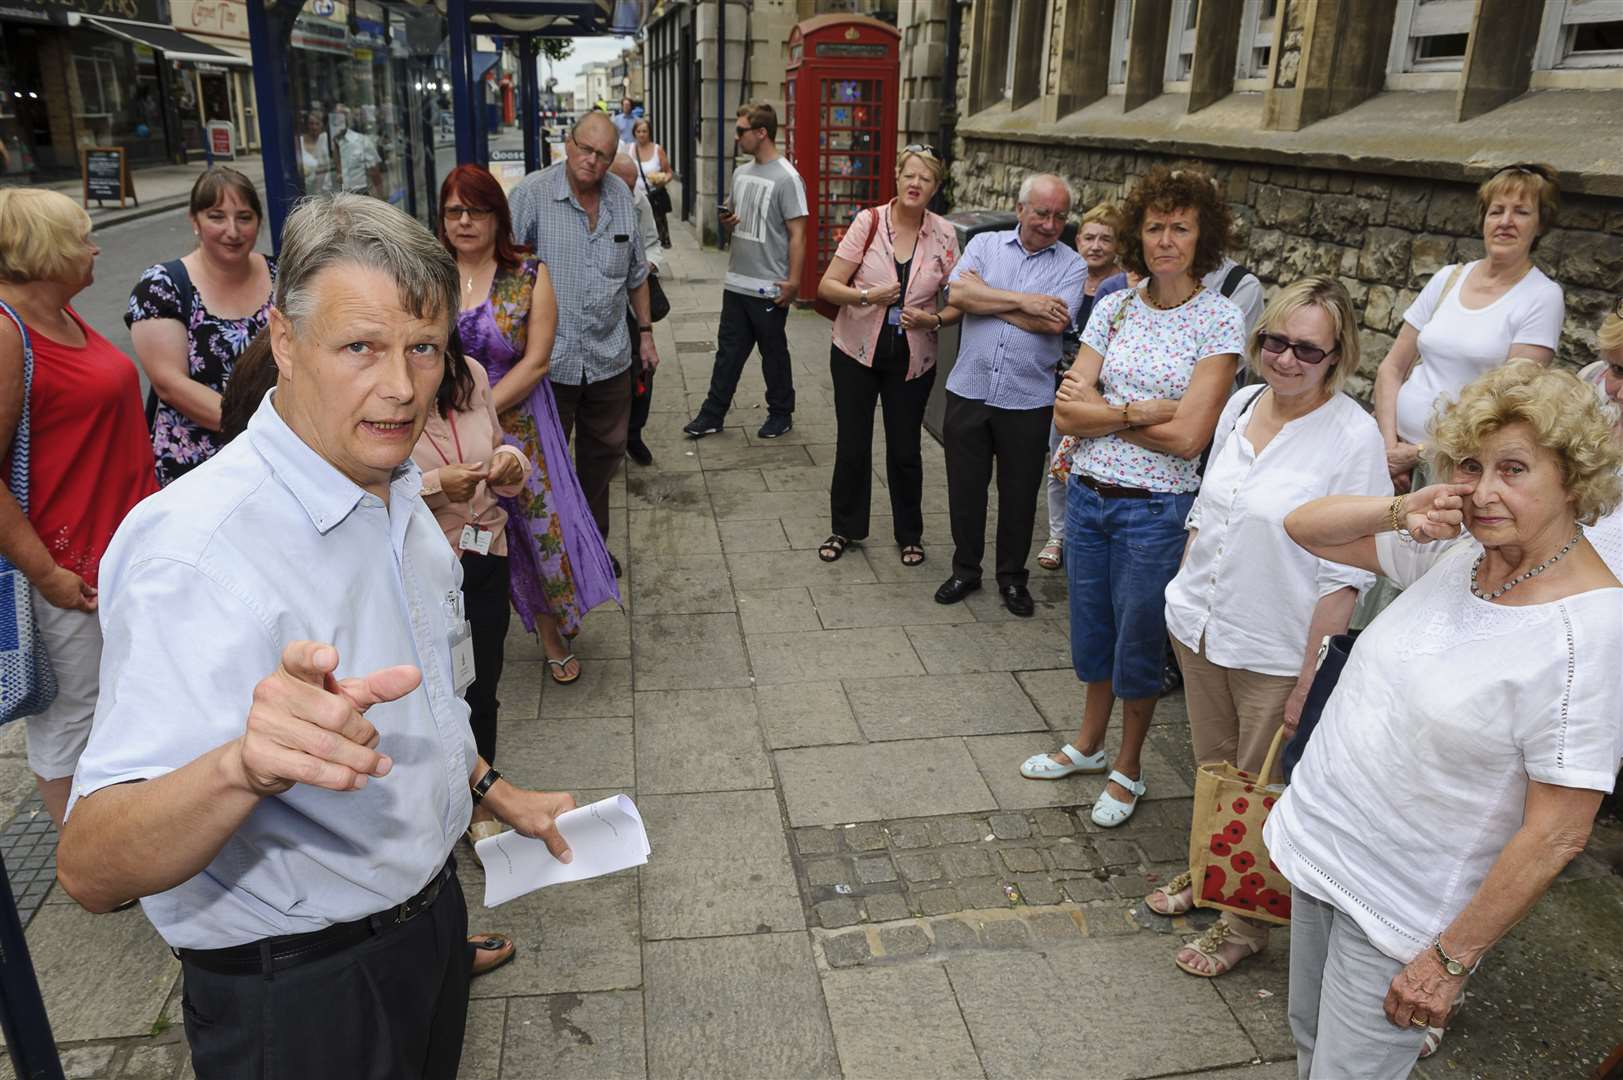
column 976, row 436
column 663, row 224
column 640, row 403
column 748, row 322
column 602, row 410
column 490, row 611
column 390, row 1008
column 901, row 400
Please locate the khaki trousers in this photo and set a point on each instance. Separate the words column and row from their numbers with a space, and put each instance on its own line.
column 1233, row 713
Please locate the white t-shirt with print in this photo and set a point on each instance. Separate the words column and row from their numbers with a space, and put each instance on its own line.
column 1148, row 354
column 1458, row 343
column 1416, row 776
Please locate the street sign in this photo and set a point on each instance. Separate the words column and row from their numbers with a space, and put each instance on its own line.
column 222, row 140
column 106, row 175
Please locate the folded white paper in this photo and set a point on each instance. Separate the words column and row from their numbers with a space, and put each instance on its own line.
column 605, row 837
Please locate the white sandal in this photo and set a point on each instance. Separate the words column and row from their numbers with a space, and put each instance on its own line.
column 1109, row 811
column 1044, row 767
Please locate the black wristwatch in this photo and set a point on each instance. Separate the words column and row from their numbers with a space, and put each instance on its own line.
column 486, row 782
column 645, row 329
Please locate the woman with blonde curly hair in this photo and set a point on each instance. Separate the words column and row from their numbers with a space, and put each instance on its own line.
column 1606, row 376
column 1459, row 763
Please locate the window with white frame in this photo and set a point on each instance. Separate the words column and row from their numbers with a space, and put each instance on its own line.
column 1257, row 24
column 1430, row 35
column 1120, row 26
column 1181, row 43
column 1580, row 34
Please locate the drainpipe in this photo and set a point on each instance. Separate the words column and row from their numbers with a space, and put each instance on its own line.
column 721, row 111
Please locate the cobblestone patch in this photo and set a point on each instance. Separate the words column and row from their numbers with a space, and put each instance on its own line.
column 875, row 872
column 28, row 845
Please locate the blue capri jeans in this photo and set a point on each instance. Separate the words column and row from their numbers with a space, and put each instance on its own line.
column 1120, row 554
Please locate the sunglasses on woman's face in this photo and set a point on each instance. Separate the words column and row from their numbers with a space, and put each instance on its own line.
column 1275, row 345
column 475, row 213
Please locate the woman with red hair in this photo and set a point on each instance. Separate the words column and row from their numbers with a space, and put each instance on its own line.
column 560, row 568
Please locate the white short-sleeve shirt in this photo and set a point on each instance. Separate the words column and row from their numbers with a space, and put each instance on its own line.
column 1416, row 776
column 1245, row 586
column 1458, row 343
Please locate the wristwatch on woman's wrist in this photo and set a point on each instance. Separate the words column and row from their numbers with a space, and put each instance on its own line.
column 1450, row 965
column 864, row 297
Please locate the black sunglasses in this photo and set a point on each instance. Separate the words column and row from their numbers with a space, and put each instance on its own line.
column 1307, row 354
column 743, row 130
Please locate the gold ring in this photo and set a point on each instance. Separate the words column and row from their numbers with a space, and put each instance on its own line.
column 1418, row 1020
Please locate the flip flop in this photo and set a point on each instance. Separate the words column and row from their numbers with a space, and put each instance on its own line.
column 557, row 669
column 486, row 946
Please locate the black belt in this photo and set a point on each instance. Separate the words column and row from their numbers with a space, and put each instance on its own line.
column 1112, row 491
column 274, row 954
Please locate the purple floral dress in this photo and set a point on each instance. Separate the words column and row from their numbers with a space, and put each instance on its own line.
column 212, row 347
column 557, row 560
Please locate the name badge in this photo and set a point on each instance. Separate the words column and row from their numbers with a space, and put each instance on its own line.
column 476, row 539
column 893, row 316
column 461, row 657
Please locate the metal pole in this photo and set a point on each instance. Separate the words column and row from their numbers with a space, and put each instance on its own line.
column 721, row 113
column 22, row 1009
column 529, row 98
column 461, row 57
column 270, row 32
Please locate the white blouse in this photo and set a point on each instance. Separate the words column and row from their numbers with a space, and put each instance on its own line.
column 1417, row 774
column 1244, row 584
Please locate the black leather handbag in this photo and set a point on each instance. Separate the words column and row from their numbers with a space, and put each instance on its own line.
column 1333, row 654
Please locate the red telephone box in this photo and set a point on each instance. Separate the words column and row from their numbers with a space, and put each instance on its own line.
column 840, row 90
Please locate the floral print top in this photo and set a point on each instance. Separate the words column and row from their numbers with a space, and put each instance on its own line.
column 1149, row 353
column 212, row 347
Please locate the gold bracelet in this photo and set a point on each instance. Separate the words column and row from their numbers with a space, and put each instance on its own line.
column 1124, row 419
column 1394, row 517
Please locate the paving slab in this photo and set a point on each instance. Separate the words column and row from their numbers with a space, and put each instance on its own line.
column 734, row 481
column 1046, row 588
column 667, row 491
column 571, row 938
column 688, row 652
column 1003, row 646
column 672, row 532
column 575, row 1035
column 1020, row 1008
column 1255, row 993
column 720, row 866
column 818, row 655
column 777, row 611
column 568, row 754
column 728, row 452
column 1058, row 696
column 832, row 785
column 482, row 1040
column 102, row 976
column 699, row 740
column 605, row 634
column 737, row 1008
column 927, row 706
column 999, row 756
column 603, row 689
column 910, row 603
column 520, row 689
column 754, row 507
column 806, row 714
column 681, row 584
column 740, row 536
column 809, row 478
column 785, row 569
column 899, row 1022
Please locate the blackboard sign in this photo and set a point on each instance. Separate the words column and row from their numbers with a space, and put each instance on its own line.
column 106, row 176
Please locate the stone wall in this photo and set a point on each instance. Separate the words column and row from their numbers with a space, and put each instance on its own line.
column 1383, row 236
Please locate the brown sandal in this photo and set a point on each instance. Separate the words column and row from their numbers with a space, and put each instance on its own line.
column 1207, row 944
column 1170, row 894
column 491, row 951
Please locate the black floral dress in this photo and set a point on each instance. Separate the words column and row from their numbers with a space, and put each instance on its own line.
column 212, row 347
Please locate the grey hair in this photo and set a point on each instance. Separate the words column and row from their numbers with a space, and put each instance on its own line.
column 329, row 230
column 624, row 163
column 586, row 118
column 1030, row 183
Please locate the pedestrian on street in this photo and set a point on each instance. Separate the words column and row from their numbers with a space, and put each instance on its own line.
column 624, row 122
column 1144, row 396
column 1606, row 376
column 291, row 839
column 1248, row 607
column 89, row 461
column 767, row 215
column 315, row 154
column 1458, row 766
column 653, row 176
column 189, row 318
column 508, row 321
column 1019, row 291
column 886, row 277
column 1097, row 242
column 584, row 229
column 642, row 390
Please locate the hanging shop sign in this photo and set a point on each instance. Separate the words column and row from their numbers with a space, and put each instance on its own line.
column 318, row 36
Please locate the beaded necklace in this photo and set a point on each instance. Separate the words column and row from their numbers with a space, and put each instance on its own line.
column 1515, row 581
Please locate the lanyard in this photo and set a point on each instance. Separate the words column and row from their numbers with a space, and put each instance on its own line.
column 450, row 419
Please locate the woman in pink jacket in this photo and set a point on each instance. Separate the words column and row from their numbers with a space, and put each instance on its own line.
column 886, row 277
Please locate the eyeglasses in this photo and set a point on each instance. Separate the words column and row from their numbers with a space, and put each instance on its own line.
column 475, row 213
column 1276, row 345
column 919, row 148
column 601, row 157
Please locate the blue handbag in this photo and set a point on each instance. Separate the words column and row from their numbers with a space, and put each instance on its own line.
column 27, row 683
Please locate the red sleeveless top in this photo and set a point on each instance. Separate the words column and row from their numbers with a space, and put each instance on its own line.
column 89, row 453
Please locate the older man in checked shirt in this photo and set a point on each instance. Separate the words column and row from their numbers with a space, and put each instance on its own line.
column 1019, row 290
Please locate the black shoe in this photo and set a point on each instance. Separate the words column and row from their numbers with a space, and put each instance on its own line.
column 1171, row 678
column 775, row 427
column 955, row 589
column 616, row 564
column 638, row 451
column 1017, row 598
column 700, row 426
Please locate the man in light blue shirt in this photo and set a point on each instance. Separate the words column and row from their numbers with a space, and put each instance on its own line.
column 1018, row 290
column 281, row 760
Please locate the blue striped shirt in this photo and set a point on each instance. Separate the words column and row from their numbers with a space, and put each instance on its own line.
column 999, row 363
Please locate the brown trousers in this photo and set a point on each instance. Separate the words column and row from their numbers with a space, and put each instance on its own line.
column 1233, row 713
column 602, row 411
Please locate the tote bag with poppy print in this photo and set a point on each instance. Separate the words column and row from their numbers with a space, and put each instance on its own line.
column 1227, row 858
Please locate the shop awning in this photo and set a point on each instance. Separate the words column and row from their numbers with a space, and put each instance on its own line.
column 167, row 40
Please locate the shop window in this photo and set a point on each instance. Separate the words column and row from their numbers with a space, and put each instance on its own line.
column 1257, row 24
column 1578, row 34
column 994, row 59
column 1429, row 37
column 1181, row 43
column 1121, row 25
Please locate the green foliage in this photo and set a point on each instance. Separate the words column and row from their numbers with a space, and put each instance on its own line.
column 557, row 48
